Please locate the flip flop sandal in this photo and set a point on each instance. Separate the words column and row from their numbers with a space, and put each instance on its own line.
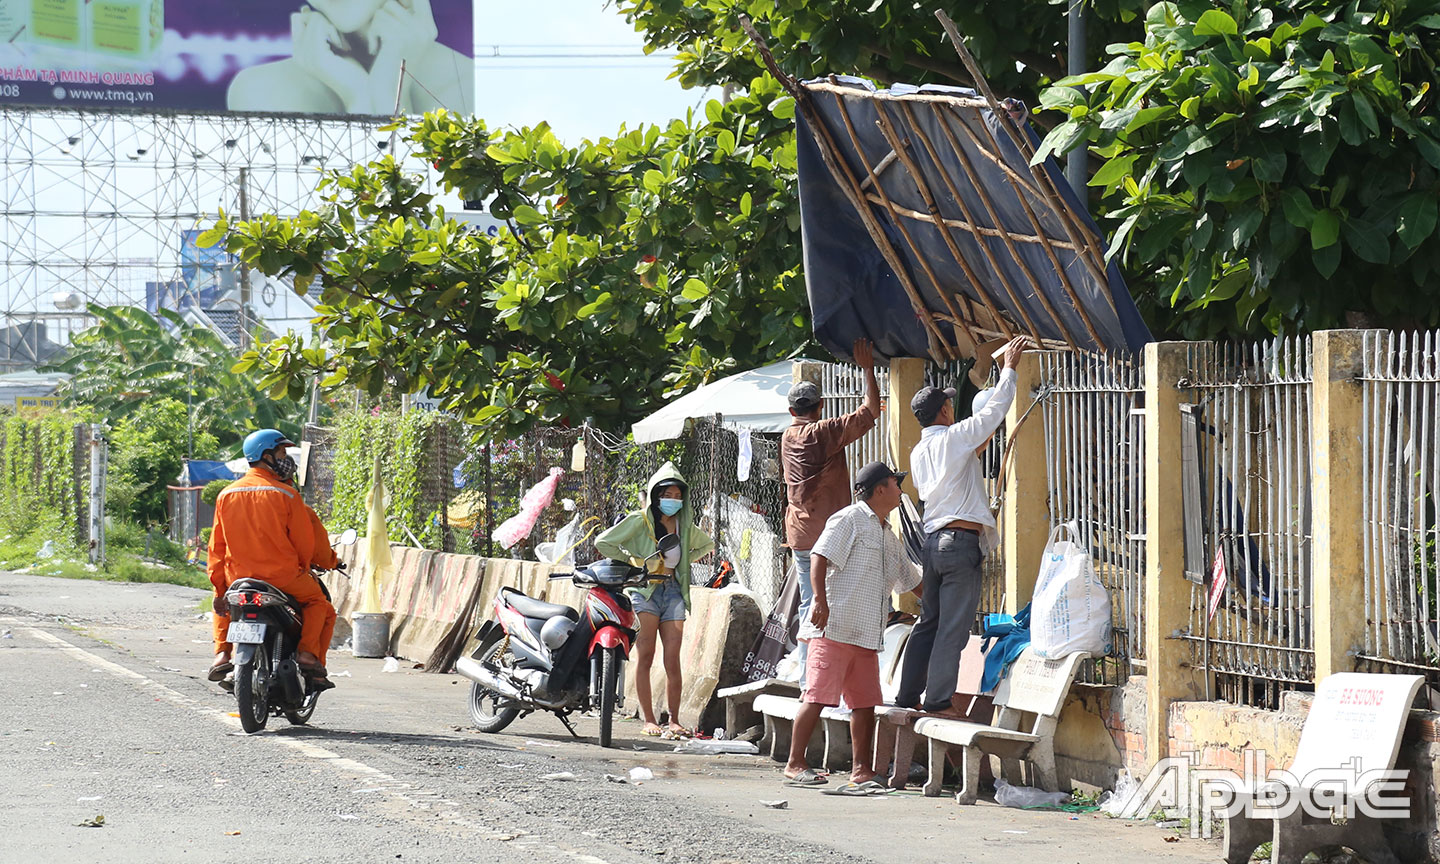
column 321, row 684
column 313, row 671
column 873, row 787
column 849, row 790
column 653, row 733
column 218, row 672
column 807, row 778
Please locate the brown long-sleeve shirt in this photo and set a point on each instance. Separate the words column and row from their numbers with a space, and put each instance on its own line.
column 817, row 478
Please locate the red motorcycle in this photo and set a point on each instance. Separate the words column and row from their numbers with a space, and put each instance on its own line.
column 531, row 655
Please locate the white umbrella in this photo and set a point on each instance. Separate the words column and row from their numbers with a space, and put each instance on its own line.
column 754, row 400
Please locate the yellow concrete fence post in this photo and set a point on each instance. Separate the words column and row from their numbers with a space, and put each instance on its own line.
column 1025, row 514
column 1338, row 487
column 907, row 374
column 1169, row 675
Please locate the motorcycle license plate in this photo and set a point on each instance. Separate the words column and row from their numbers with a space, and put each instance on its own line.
column 246, row 632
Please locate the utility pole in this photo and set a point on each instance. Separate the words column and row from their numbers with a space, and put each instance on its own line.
column 99, row 456
column 1075, row 173
column 244, row 268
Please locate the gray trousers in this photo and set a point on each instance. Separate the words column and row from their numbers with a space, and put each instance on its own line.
column 951, row 593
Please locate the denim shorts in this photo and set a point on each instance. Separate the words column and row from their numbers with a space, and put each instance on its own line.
column 666, row 602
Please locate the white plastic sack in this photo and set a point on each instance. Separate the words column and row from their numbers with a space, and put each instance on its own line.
column 561, row 549
column 1070, row 610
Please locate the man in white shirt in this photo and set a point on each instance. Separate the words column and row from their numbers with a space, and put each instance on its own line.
column 857, row 563
column 959, row 529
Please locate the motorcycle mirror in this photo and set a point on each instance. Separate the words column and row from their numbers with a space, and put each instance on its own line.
column 668, row 543
column 347, row 538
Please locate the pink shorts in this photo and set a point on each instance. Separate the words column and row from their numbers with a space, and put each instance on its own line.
column 835, row 669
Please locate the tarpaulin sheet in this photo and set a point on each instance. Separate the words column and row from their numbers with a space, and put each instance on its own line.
column 958, row 147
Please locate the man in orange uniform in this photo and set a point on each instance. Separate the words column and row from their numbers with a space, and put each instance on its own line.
column 263, row 530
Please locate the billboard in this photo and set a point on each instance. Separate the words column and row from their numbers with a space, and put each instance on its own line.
column 325, row 57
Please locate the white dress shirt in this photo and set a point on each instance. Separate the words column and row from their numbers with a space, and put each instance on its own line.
column 946, row 468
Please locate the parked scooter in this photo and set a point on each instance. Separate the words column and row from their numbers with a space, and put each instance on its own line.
column 265, row 630
column 530, row 655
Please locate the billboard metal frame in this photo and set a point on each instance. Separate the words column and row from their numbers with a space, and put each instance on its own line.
column 94, row 203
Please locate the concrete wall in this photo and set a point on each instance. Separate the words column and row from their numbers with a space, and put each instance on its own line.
column 429, row 592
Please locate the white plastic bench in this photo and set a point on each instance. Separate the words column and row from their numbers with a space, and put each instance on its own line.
column 740, row 712
column 829, row 744
column 895, row 738
column 1354, row 727
column 1033, row 686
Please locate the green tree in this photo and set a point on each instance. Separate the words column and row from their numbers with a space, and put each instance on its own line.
column 1270, row 166
column 147, row 453
column 129, row 358
column 632, row 266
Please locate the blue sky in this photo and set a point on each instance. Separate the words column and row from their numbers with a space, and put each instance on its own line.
column 580, row 96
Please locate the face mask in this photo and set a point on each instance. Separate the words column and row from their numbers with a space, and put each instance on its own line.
column 671, row 506
column 284, row 468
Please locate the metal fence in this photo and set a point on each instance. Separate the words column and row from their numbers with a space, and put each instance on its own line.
column 1092, row 410
column 1401, row 475
column 844, row 389
column 1250, row 421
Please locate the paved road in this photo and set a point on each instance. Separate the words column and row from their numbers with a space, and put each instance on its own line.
column 106, row 712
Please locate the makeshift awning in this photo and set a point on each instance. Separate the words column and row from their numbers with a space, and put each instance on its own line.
column 755, row 400
column 926, row 230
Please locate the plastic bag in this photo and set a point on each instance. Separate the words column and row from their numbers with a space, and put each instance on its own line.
column 1027, row 796
column 712, row 747
column 1070, row 611
column 560, row 550
column 1118, row 803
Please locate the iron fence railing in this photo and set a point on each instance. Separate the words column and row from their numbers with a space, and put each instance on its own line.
column 1251, row 410
column 1400, row 385
column 1095, row 460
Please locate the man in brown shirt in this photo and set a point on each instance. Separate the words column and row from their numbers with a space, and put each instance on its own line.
column 812, row 456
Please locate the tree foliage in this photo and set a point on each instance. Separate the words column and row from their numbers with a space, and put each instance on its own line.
column 130, row 358
column 632, row 266
column 147, row 453
column 1269, row 166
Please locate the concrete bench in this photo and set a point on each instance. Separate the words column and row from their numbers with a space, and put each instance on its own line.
column 829, row 744
column 1354, row 728
column 895, row 738
column 740, row 713
column 1034, row 686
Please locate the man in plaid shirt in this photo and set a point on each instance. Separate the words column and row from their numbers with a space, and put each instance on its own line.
column 855, row 566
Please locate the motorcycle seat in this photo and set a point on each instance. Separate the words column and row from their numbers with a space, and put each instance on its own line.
column 532, row 608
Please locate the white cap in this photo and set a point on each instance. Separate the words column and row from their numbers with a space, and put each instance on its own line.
column 979, row 401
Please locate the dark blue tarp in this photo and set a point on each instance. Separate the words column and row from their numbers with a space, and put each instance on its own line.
column 854, row 292
column 202, row 471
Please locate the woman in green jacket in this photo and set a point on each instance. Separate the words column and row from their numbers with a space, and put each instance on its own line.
column 661, row 605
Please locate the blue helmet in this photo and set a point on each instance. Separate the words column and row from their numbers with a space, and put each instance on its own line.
column 256, row 443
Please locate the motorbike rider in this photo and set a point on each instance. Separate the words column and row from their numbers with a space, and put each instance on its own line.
column 263, row 530
column 663, row 604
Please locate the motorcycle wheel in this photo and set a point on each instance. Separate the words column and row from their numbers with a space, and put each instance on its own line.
column 301, row 715
column 609, row 683
column 252, row 690
column 488, row 709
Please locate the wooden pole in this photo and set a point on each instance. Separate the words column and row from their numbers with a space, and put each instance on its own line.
column 1008, row 124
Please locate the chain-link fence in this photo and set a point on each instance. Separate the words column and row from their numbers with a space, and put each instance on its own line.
column 468, row 488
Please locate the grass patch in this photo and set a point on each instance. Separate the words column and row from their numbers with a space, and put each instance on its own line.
column 132, row 553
